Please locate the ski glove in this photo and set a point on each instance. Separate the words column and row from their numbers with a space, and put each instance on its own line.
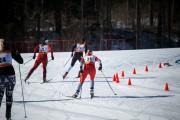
column 34, row 56
column 100, row 67
column 52, row 57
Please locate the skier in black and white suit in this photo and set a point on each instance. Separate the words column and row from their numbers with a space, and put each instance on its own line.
column 79, row 49
column 7, row 75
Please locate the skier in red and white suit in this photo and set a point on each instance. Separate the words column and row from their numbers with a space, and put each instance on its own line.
column 89, row 69
column 42, row 58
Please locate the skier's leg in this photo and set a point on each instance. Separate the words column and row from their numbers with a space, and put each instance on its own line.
column 92, row 89
column 79, row 73
column 36, row 64
column 44, row 63
column 8, row 111
column 2, row 87
column 82, row 79
column 92, row 85
column 92, row 76
column 11, row 81
column 79, row 88
column 74, row 59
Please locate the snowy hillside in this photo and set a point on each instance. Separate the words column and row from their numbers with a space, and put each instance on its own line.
column 145, row 99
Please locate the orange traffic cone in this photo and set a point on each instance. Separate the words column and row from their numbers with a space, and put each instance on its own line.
column 166, row 87
column 160, row 66
column 114, row 78
column 117, row 78
column 146, row 69
column 134, row 71
column 122, row 74
column 129, row 81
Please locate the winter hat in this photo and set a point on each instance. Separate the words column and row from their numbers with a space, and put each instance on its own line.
column 46, row 41
column 89, row 52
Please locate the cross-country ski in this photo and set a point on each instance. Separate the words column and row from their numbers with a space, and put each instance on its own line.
column 47, row 81
column 71, row 97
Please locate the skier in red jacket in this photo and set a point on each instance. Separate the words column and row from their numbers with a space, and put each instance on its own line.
column 42, row 58
column 89, row 69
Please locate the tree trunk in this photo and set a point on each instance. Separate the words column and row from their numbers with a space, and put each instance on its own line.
column 169, row 22
column 108, row 33
column 159, row 27
column 138, row 24
column 151, row 15
column 58, row 23
column 38, row 19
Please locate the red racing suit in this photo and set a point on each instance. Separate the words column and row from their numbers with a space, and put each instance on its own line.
column 42, row 58
column 89, row 67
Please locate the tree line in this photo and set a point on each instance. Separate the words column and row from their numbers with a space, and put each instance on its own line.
column 72, row 19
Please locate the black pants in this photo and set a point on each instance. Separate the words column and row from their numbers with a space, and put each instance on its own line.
column 77, row 56
column 7, row 84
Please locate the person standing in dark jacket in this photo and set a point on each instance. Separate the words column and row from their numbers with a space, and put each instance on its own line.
column 78, row 50
column 7, row 75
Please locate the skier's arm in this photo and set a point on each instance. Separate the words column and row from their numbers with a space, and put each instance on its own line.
column 51, row 49
column 17, row 57
column 73, row 50
column 35, row 50
column 100, row 63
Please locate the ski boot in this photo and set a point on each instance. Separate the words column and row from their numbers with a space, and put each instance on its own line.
column 44, row 80
column 26, row 79
column 92, row 93
column 76, row 94
column 65, row 75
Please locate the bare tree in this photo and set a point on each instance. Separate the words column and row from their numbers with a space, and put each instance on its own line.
column 138, row 24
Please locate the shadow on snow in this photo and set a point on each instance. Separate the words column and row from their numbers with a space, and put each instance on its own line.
column 41, row 101
column 155, row 96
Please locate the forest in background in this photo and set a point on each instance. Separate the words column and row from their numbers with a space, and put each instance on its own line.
column 140, row 22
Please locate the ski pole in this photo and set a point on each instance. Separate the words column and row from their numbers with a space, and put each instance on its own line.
column 22, row 92
column 49, row 60
column 108, row 82
column 28, row 61
column 67, row 61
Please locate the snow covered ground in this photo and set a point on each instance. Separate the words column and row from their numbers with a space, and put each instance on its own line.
column 145, row 99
